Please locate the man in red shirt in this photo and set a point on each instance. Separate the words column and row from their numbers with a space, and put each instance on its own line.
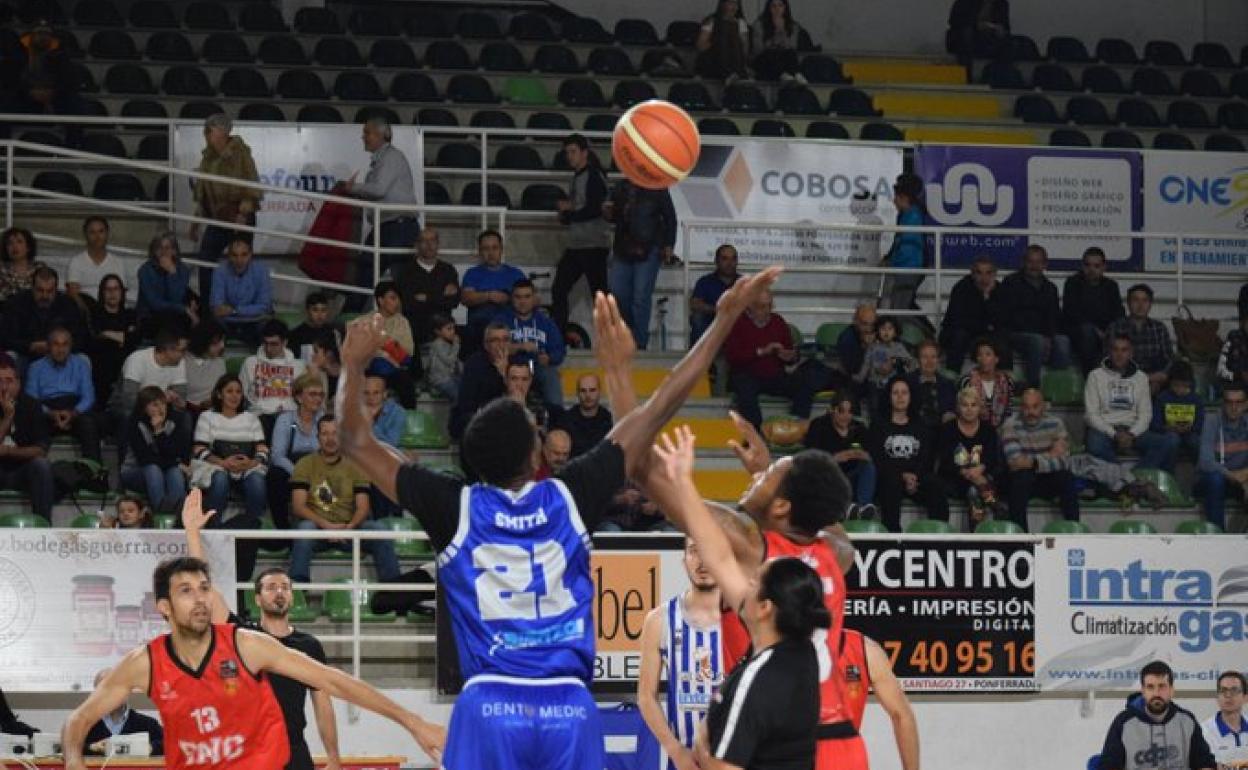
column 760, row 352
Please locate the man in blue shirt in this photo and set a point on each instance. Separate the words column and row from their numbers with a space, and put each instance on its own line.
column 535, row 338
column 707, row 290
column 487, row 286
column 61, row 383
column 242, row 293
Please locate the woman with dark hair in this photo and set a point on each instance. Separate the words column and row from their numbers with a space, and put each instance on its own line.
column 161, row 453
column 723, row 43
column 112, row 335
column 838, row 434
column 774, row 40
column 17, row 269
column 904, row 451
column 205, row 364
column 165, row 299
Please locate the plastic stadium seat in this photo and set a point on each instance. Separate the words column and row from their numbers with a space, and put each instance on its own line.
column 1169, row 486
column 104, row 144
column 1233, row 115
column 477, row 25
column 495, row 195
column 337, row 605
column 1062, row 387
column 373, row 111
column 372, row 22
column 113, row 44
column 881, row 132
column 411, row 547
column 492, row 119
column 501, row 56
column 1169, row 140
column 392, row 53
column 199, row 110
column 337, row 52
column 826, row 129
column 128, row 79
column 1069, row 137
column 118, row 187
column 1132, row 527
column 998, row 527
column 851, row 102
column 798, row 100
column 413, row 87
column 225, row 48
column 556, row 59
column 1033, row 108
column 664, row 62
column 261, row 17
column 152, row 14
column 584, row 29
column 1137, row 113
column 527, row 91
column 86, row 521
column 436, row 194
column 97, row 13
column 772, row 127
column 1239, row 85
column 1223, row 143
column 80, row 77
column 1151, row 81
column 422, row 431
column 164, row 521
column 549, row 121
column 1087, row 111
column 1201, row 83
column 186, row 81
column 1188, row 114
column 169, row 46
column 691, row 96
column 1053, row 77
column 531, row 27
column 1197, row 527
column 94, row 108
column 559, row 161
column 436, row 116
column 427, row 24
column 610, row 61
column 207, row 16
column 718, row 126
column 636, row 32
column 447, row 55
column 300, row 84
column 281, row 49
column 143, row 108
column 630, row 92
column 1115, row 50
column 682, row 33
column 318, row 113
column 23, row 521
column 1067, row 49
column 864, row 527
column 1064, row 527
column 1023, row 48
column 582, row 92
column 300, row 612
column 928, row 527
column 518, row 157
column 1001, row 74
column 317, row 21
column 600, row 121
column 822, row 69
column 244, row 83
column 458, row 155
column 265, row 112
column 358, row 87
column 1103, row 80
column 57, row 181
column 1164, row 53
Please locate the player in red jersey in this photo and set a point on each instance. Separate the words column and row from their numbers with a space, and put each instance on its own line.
column 208, row 682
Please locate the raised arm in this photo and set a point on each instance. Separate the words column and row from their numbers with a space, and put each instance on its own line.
column 327, row 726
column 892, row 697
column 615, row 350
column 648, row 681
column 194, row 519
column 129, row 675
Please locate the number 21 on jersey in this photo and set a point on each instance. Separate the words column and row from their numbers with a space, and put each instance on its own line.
column 507, row 588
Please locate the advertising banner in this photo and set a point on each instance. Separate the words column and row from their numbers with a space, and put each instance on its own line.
column 1197, row 192
column 1105, row 607
column 299, row 157
column 75, row 601
column 1042, row 189
column 954, row 616
column 790, row 182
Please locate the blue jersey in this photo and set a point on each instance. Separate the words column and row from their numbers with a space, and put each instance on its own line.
column 694, row 663
column 517, row 580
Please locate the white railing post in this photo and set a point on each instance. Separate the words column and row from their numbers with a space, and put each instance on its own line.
column 353, row 712
column 485, row 178
column 938, row 258
column 376, row 246
column 8, row 187
column 1178, row 261
column 170, row 156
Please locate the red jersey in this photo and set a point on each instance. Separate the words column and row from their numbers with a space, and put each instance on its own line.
column 221, row 716
column 847, row 751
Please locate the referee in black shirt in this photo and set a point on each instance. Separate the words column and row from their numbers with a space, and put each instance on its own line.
column 274, row 596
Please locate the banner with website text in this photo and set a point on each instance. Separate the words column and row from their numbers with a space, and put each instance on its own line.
column 74, row 601
column 1197, row 192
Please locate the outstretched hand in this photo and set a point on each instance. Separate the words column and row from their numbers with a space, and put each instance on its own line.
column 676, row 456
column 613, row 342
column 430, row 736
column 194, row 517
column 752, row 449
column 746, row 290
column 365, row 336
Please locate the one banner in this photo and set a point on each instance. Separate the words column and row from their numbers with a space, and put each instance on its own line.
column 1197, row 192
column 74, row 601
column 1107, row 606
column 952, row 615
column 785, row 183
column 312, row 158
column 1041, row 189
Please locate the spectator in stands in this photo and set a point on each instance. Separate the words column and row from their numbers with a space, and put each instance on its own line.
column 389, row 182
column 759, row 350
column 294, row 437
column 995, row 387
column 709, row 288
column 1151, row 345
column 129, row 512
column 1032, row 316
column 589, row 421
column 329, row 492
column 1090, row 303
column 165, row 296
column 1226, row 731
column 61, row 384
column 556, row 451
column 904, row 453
column 160, row 365
column 774, row 41
column 978, row 28
column 843, row 437
column 974, row 310
column 907, row 252
column 631, row 511
column 1118, row 409
column 327, row 363
column 41, row 60
column 484, row 379
column 487, row 286
column 536, row 339
column 1178, row 411
column 113, row 337
column 851, row 345
column 1037, row 453
column 1153, row 724
column 17, row 269
column 886, row 357
column 388, row 416
column 316, row 321
column 723, row 44
column 28, row 317
column 224, row 155
column 1223, row 462
column 24, row 462
column 645, row 233
column 242, row 293
column 588, row 239
column 1233, row 359
column 935, row 395
column 970, row 460
column 204, row 364
column 519, row 381
column 268, row 375
column 427, row 285
column 160, row 450
column 398, row 361
column 123, row 721
column 445, row 370
column 87, row 268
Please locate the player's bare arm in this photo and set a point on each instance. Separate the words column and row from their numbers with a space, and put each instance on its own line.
column 893, row 698
column 327, row 727
column 648, row 681
column 702, row 753
column 131, row 674
column 614, row 351
column 194, row 519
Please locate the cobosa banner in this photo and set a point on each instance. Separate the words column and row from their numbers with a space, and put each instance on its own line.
column 75, row 601
column 795, row 182
column 312, row 158
column 1106, row 606
column 1040, row 189
column 1196, row 192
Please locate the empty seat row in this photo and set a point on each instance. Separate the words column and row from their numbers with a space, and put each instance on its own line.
column 1164, row 140
column 1137, row 113
column 1102, row 79
column 112, row 186
column 1163, row 53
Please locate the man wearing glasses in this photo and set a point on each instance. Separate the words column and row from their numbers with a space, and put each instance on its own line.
column 1223, row 462
column 1226, row 732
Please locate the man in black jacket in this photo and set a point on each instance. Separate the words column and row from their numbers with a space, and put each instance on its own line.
column 30, row 315
column 1032, row 316
column 1152, row 732
column 484, row 377
column 973, row 311
column 645, row 233
column 427, row 286
column 123, row 721
column 23, row 442
column 1090, row 303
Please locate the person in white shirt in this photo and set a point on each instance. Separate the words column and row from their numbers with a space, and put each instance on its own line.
column 1118, row 408
column 269, row 376
column 1226, row 731
column 160, row 365
column 88, row 268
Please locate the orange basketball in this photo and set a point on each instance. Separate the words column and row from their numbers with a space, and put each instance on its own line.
column 656, row 144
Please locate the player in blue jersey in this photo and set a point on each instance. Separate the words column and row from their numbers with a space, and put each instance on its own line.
column 513, row 554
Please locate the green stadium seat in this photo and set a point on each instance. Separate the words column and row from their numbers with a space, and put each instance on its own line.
column 527, row 91
column 300, row 611
column 338, row 606
column 86, row 521
column 271, row 546
column 1198, row 527
column 1132, row 527
column 165, row 521
column 928, row 527
column 407, row 548
column 233, row 364
column 826, row 336
column 24, row 521
column 1064, row 527
column 798, row 339
column 1062, row 387
column 1169, row 486
column 864, row 526
column 912, row 335
column 998, row 527
column 422, row 431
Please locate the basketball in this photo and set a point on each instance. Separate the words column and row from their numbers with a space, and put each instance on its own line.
column 655, row 144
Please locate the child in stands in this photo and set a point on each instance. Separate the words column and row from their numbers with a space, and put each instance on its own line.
column 444, row 367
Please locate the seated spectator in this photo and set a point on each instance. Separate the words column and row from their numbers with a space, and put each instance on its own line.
column 160, row 365
column 774, row 41
column 88, row 267
column 327, row 363
column 645, row 233
column 316, row 321
column 631, row 511
column 935, row 395
column 1037, row 453
column 122, row 721
column 24, row 462
column 428, row 286
column 294, row 437
column 242, row 292
column 1226, row 731
column 224, row 154
column 17, row 268
column 444, row 369
column 1233, row 359
column 556, row 451
column 535, row 338
column 268, row 376
column 723, row 44
column 487, row 286
column 908, row 251
column 904, row 453
column 1032, row 316
column 204, row 363
column 589, row 421
column 165, row 296
column 1223, row 465
column 886, row 357
column 759, row 349
column 388, row 416
column 1090, row 303
column 160, row 452
column 1151, row 345
column 843, row 437
column 398, row 361
column 29, row 315
column 970, row 459
column 113, row 337
column 978, row 29
column 1178, row 411
column 484, row 377
column 709, row 288
column 129, row 512
column 60, row 383
column 851, row 345
column 519, row 380
column 995, row 387
column 329, row 492
column 1118, row 410
column 973, row 310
